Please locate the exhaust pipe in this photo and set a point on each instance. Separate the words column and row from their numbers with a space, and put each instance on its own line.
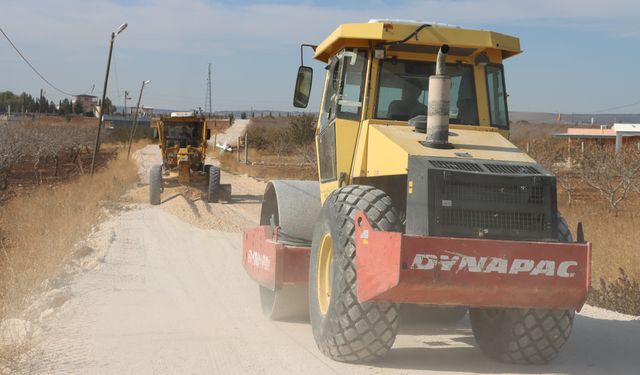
column 438, row 104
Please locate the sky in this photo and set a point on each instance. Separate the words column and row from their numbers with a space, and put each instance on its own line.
column 580, row 56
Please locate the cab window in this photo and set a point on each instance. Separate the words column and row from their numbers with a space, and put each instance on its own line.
column 497, row 96
column 403, row 91
column 350, row 100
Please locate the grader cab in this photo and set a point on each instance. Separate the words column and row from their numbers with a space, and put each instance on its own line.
column 182, row 138
column 422, row 202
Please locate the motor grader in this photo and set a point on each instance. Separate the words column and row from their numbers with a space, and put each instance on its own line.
column 182, row 138
column 422, row 202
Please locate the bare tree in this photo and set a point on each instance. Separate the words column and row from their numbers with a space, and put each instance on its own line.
column 557, row 157
column 612, row 176
column 308, row 153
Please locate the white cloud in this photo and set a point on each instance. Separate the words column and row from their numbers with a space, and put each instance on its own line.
column 188, row 24
column 69, row 38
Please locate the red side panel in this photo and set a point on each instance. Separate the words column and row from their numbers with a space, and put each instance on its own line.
column 272, row 264
column 394, row 267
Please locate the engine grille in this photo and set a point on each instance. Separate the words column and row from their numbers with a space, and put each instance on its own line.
column 511, row 169
column 488, row 221
column 504, row 193
column 455, row 165
column 481, row 204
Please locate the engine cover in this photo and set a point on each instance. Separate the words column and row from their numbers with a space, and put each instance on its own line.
column 480, row 199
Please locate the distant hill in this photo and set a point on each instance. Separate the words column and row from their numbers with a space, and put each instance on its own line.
column 573, row 118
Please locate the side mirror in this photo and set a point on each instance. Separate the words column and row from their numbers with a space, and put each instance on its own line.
column 208, row 134
column 303, row 87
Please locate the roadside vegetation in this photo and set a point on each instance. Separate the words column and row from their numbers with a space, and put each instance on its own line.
column 55, row 207
column 279, row 147
column 30, row 105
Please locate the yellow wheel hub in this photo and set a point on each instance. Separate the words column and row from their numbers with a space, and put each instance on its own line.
column 324, row 273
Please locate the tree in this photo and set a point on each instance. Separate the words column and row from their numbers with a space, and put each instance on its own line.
column 302, row 129
column 612, row 175
column 243, row 115
column 64, row 107
column 109, row 108
column 77, row 108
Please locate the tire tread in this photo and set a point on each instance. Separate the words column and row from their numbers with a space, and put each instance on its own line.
column 359, row 331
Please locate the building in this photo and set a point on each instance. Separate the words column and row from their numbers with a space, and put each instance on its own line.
column 144, row 111
column 87, row 102
column 617, row 135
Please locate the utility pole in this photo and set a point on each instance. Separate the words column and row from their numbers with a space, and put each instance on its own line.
column 207, row 101
column 135, row 120
column 96, row 147
column 126, row 96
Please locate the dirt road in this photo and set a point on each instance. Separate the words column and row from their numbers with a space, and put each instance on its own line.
column 159, row 295
column 230, row 137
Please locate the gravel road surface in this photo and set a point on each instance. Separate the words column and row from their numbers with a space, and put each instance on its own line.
column 166, row 296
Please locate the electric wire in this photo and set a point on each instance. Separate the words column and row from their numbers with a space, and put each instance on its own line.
column 31, row 66
column 618, row 107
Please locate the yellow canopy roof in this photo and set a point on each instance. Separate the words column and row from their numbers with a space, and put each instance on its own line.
column 463, row 42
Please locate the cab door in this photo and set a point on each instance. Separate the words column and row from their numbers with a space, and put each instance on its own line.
column 340, row 118
column 326, row 139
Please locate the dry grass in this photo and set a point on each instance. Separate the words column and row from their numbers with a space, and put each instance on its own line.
column 615, row 238
column 38, row 231
column 524, row 132
column 615, row 251
column 267, row 166
column 270, row 122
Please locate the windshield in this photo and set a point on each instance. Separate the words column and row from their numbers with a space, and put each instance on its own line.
column 183, row 134
column 403, row 91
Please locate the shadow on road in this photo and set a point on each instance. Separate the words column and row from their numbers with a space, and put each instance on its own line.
column 597, row 346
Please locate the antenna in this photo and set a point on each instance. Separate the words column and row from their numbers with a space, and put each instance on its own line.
column 207, row 101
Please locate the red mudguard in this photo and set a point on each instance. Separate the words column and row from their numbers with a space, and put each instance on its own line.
column 270, row 263
column 394, row 267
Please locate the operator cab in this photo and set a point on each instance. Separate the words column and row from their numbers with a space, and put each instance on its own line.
column 380, row 70
column 183, row 134
column 377, row 83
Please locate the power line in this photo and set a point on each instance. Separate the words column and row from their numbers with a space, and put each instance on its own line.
column 31, row 66
column 618, row 107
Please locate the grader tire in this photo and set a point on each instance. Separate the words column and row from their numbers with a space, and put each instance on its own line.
column 155, row 184
column 286, row 304
column 213, row 191
column 344, row 329
column 523, row 336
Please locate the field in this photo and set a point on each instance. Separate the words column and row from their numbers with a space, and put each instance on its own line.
column 279, row 147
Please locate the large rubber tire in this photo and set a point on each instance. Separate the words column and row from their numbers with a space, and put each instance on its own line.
column 213, row 191
column 286, row 304
column 349, row 331
column 523, row 336
column 155, row 184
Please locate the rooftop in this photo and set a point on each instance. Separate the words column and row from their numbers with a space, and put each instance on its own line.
column 463, row 42
column 600, row 133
